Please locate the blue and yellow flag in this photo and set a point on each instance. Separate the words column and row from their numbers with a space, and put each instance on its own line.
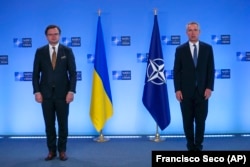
column 101, row 108
column 155, row 94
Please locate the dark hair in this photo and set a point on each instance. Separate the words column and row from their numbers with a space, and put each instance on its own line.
column 52, row 26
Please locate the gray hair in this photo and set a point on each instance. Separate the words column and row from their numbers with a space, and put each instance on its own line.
column 191, row 23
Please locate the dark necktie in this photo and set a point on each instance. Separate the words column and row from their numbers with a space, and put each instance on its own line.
column 53, row 58
column 195, row 55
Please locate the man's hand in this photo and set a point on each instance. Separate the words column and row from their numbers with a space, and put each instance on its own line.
column 69, row 97
column 178, row 95
column 38, row 97
column 207, row 93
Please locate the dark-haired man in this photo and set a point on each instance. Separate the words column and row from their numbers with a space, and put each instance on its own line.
column 54, row 84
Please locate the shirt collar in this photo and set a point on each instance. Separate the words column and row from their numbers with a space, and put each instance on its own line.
column 56, row 46
column 191, row 44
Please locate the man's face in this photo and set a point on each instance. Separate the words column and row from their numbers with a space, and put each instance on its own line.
column 193, row 32
column 53, row 36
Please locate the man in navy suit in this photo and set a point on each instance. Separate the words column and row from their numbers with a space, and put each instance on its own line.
column 194, row 83
column 54, row 84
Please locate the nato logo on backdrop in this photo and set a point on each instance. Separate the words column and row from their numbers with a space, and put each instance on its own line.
column 121, row 75
column 222, row 73
column 23, row 76
column 121, row 40
column 4, row 60
column 22, row 42
column 72, row 42
column 171, row 40
column 169, row 74
column 221, row 39
column 142, row 57
column 243, row 56
column 90, row 58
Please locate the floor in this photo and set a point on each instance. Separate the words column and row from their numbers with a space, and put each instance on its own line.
column 118, row 151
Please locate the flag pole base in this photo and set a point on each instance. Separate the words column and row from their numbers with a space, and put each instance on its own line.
column 157, row 138
column 101, row 139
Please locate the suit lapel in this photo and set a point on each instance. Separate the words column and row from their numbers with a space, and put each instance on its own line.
column 47, row 56
column 201, row 49
column 60, row 55
column 200, row 53
column 189, row 50
column 189, row 54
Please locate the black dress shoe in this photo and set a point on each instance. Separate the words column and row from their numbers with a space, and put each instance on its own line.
column 63, row 156
column 50, row 156
column 198, row 147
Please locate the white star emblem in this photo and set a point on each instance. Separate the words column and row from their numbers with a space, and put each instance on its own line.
column 19, row 76
column 166, row 40
column 91, row 58
column 155, row 71
column 18, row 43
column 115, row 41
column 241, row 56
column 216, row 39
column 217, row 74
column 66, row 41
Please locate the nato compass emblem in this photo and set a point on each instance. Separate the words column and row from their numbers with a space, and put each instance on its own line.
column 155, row 71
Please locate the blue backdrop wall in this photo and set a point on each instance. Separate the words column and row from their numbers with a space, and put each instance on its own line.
column 224, row 24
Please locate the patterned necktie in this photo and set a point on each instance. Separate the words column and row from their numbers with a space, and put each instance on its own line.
column 195, row 55
column 53, row 58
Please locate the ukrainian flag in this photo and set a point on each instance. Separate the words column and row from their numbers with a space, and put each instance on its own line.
column 101, row 108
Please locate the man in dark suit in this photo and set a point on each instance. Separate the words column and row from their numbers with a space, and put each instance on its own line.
column 54, row 84
column 194, row 83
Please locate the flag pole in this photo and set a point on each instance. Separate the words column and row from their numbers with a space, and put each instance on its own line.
column 100, row 112
column 155, row 11
column 99, row 12
column 157, row 137
column 101, row 138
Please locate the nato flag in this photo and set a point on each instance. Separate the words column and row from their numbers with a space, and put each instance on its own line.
column 155, row 95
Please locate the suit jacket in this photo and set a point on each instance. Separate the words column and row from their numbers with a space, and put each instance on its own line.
column 62, row 79
column 187, row 76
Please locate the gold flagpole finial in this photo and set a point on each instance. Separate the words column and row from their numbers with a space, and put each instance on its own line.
column 99, row 12
column 155, row 11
